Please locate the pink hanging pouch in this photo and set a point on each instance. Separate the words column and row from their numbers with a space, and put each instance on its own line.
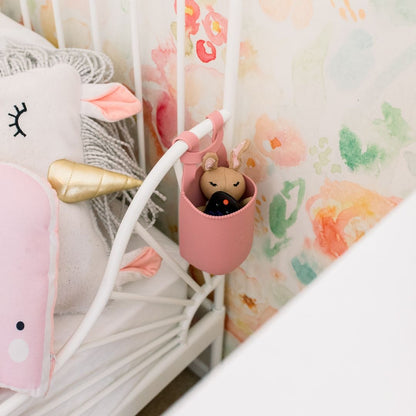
column 215, row 244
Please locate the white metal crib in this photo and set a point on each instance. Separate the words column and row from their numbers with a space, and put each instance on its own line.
column 180, row 346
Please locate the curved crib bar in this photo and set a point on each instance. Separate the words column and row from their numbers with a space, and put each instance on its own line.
column 121, row 240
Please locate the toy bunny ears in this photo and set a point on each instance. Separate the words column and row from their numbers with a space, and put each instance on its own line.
column 108, row 102
column 210, row 160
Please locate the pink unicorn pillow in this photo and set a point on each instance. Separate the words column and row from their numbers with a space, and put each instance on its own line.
column 40, row 123
column 48, row 114
column 28, row 278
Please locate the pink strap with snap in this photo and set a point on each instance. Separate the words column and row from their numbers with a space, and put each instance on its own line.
column 191, row 160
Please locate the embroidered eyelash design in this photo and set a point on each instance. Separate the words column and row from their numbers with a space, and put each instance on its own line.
column 16, row 119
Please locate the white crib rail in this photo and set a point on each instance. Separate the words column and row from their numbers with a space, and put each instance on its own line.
column 137, row 73
column 25, row 14
column 129, row 224
column 124, row 232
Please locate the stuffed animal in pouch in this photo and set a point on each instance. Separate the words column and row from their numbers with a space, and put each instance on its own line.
column 223, row 186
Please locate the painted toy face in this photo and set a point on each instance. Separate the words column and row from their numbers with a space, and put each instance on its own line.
column 223, row 179
column 28, row 259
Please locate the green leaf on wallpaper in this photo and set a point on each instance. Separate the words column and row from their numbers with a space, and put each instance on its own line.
column 394, row 124
column 398, row 11
column 352, row 152
column 280, row 220
column 392, row 133
column 271, row 250
column 352, row 63
column 322, row 154
column 303, row 270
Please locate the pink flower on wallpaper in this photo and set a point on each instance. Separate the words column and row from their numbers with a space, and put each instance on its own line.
column 164, row 75
column 203, row 91
column 247, row 308
column 192, row 13
column 280, row 141
column 160, row 91
column 215, row 26
column 300, row 11
column 166, row 118
column 203, row 54
column 343, row 212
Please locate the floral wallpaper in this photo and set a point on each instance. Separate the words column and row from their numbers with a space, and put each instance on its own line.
column 327, row 98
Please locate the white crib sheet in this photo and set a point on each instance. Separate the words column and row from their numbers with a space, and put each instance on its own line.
column 118, row 316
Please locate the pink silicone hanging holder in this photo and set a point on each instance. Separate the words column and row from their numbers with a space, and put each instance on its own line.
column 215, row 244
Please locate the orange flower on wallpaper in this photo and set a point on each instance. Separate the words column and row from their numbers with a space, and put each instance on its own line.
column 343, row 212
column 254, row 164
column 346, row 11
column 192, row 13
column 280, row 141
column 247, row 308
column 215, row 26
column 299, row 11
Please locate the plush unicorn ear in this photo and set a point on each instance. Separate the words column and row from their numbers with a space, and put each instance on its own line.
column 210, row 161
column 235, row 155
column 108, row 102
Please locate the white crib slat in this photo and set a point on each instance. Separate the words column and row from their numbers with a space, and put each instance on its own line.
column 58, row 23
column 180, row 78
column 180, row 65
column 150, row 299
column 200, row 335
column 78, row 387
column 132, row 332
column 126, row 377
column 96, row 38
column 137, row 73
column 217, row 346
column 231, row 67
column 207, row 278
column 25, row 14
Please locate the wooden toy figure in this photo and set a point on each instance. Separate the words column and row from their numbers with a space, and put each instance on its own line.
column 223, row 186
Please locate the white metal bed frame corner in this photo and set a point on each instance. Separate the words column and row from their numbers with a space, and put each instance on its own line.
column 183, row 344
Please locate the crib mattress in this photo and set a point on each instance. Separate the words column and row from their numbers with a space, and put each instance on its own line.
column 117, row 316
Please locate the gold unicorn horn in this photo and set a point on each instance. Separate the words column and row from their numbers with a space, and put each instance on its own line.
column 75, row 182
